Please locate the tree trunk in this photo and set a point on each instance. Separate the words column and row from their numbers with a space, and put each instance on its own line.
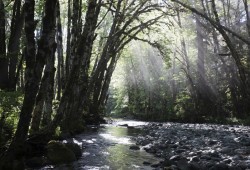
column 34, row 68
column 68, row 50
column 244, row 86
column 72, row 96
column 60, row 64
column 3, row 58
column 248, row 31
column 14, row 42
column 42, row 105
column 201, row 58
column 17, row 145
column 50, row 93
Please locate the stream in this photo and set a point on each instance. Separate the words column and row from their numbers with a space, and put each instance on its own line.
column 123, row 145
column 108, row 147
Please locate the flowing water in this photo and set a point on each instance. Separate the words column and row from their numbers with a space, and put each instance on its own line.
column 107, row 147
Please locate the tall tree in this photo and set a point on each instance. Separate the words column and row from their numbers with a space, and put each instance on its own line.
column 3, row 58
column 14, row 42
column 124, row 29
column 68, row 48
column 34, row 68
column 68, row 110
column 60, row 59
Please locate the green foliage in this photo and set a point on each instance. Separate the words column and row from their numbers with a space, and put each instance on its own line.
column 10, row 105
column 184, row 108
column 10, row 102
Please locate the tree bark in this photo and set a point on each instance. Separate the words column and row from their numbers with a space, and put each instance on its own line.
column 43, row 102
column 3, row 58
column 71, row 96
column 17, row 145
column 68, row 50
column 50, row 93
column 60, row 64
column 248, row 31
column 34, row 68
column 14, row 42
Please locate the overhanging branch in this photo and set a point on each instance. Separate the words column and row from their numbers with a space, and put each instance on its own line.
column 213, row 22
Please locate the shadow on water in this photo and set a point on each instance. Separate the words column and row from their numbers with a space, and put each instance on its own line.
column 107, row 147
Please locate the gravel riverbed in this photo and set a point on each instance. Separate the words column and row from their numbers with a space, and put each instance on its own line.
column 196, row 146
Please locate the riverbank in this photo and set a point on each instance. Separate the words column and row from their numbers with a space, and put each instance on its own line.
column 197, row 146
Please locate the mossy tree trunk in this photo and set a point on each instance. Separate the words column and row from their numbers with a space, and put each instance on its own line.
column 68, row 110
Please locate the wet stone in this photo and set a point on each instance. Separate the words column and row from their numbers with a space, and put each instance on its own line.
column 234, row 168
column 206, row 146
column 194, row 166
column 212, row 142
column 155, row 165
column 220, row 166
column 183, row 165
column 195, row 159
column 227, row 161
column 175, row 158
column 146, row 163
column 226, row 150
column 134, row 147
column 180, row 150
column 206, row 157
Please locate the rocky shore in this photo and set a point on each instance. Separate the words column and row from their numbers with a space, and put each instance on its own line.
column 196, row 146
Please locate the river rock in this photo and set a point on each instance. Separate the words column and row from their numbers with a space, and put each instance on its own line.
column 194, row 166
column 36, row 162
column 183, row 165
column 75, row 148
column 146, row 163
column 155, row 165
column 134, row 147
column 206, row 146
column 226, row 150
column 195, row 159
column 175, row 158
column 220, row 166
column 234, row 168
column 58, row 153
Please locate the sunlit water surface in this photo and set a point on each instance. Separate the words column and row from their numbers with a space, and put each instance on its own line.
column 107, row 147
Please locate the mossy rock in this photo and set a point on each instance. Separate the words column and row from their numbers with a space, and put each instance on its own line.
column 36, row 162
column 12, row 165
column 75, row 148
column 58, row 153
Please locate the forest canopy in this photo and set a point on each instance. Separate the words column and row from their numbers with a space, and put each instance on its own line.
column 65, row 64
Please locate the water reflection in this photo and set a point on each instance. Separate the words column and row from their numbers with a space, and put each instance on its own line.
column 107, row 148
column 116, row 139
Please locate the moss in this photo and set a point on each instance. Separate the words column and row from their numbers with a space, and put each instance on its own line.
column 58, row 153
column 75, row 148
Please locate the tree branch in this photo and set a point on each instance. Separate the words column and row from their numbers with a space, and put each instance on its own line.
column 213, row 22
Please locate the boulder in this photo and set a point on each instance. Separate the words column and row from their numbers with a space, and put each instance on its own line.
column 58, row 153
column 75, row 148
column 36, row 162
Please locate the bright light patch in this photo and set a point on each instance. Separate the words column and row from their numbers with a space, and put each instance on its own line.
column 118, row 140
